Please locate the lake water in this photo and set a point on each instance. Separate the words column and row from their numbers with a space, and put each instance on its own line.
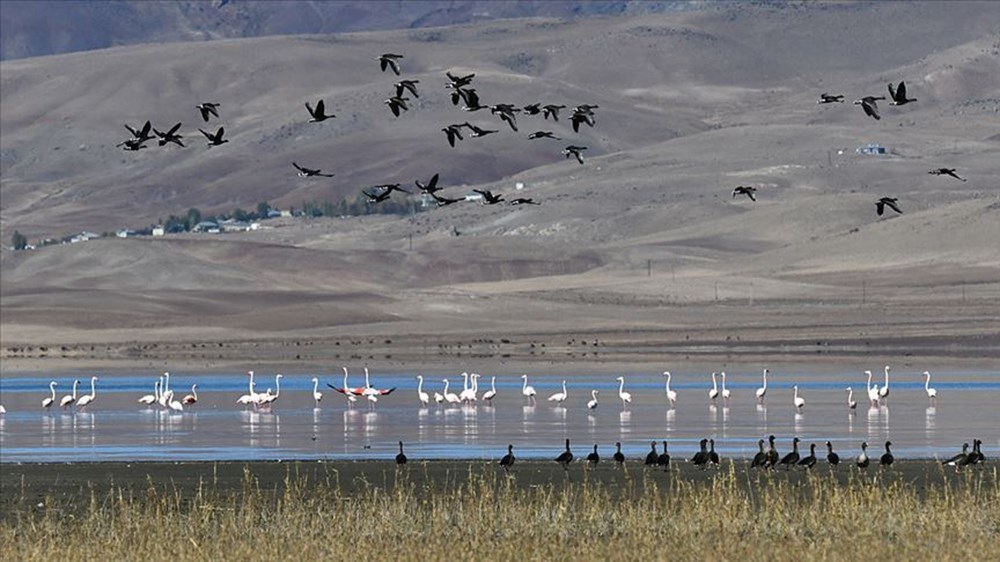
column 116, row 428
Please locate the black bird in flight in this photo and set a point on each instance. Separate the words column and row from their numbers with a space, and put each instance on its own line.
column 532, row 109
column 132, row 144
column 524, row 201
column 552, row 111
column 318, row 114
column 170, row 136
column 142, row 134
column 208, row 108
column 543, row 134
column 899, row 95
column 396, row 104
column 444, row 201
column 404, row 85
column 431, row 186
column 945, row 172
column 458, row 81
column 468, row 97
column 581, row 117
column 390, row 187
column 310, row 172
column 216, row 139
column 488, row 197
column 573, row 150
column 886, row 202
column 377, row 198
column 477, row 132
column 830, row 98
column 868, row 103
column 453, row 131
column 389, row 60
column 745, row 190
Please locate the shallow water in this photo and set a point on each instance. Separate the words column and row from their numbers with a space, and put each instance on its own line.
column 116, row 428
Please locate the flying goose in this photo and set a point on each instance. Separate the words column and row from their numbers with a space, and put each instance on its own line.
column 141, row 134
column 431, row 186
column 532, row 109
column 458, row 81
column 870, row 105
column 132, row 144
column 477, row 132
column 945, row 172
column 886, row 202
column 830, row 98
column 745, row 190
column 377, row 198
column 468, row 97
column 524, row 201
column 207, row 108
column 899, row 94
column 318, row 114
column 453, row 132
column 543, row 134
column 410, row 85
column 573, row 150
column 216, row 139
column 488, row 197
column 310, row 172
column 445, row 201
column 397, row 103
column 581, row 117
column 389, row 60
column 552, row 111
column 170, row 136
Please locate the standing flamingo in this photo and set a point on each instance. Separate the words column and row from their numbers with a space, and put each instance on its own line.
column 490, row 394
column 165, row 393
column 593, row 400
column 852, row 404
column 421, row 395
column 931, row 392
column 317, row 395
column 47, row 403
column 625, row 396
column 466, row 394
column 671, row 394
column 69, row 400
column 451, row 397
column 88, row 398
column 872, row 390
column 191, row 398
column 151, row 398
column 798, row 400
column 712, row 394
column 268, row 398
column 438, row 397
column 762, row 390
column 559, row 397
column 883, row 393
column 527, row 390
column 725, row 391
column 475, row 386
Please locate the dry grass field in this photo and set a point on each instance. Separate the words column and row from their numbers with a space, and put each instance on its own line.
column 640, row 256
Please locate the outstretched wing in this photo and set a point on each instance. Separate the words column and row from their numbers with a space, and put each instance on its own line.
column 892, row 92
column 901, row 91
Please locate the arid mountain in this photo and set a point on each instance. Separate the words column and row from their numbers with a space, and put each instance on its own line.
column 29, row 28
column 645, row 235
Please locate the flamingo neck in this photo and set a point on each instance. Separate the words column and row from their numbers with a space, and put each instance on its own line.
column 493, row 384
column 524, row 385
column 765, row 380
column 714, row 385
column 420, row 384
column 621, row 386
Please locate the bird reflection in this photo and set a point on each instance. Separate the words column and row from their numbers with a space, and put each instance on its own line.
column 625, row 421
column 799, row 419
column 930, row 421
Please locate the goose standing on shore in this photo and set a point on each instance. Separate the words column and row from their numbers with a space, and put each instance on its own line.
column 713, row 457
column 400, row 458
column 959, row 460
column 792, row 458
column 593, row 458
column 664, row 459
column 508, row 460
column 809, row 461
column 772, row 453
column 760, row 459
column 651, row 456
column 831, row 457
column 700, row 459
column 619, row 456
column 565, row 457
column 887, row 458
column 863, row 459
column 762, row 391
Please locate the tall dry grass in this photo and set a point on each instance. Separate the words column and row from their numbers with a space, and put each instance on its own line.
column 488, row 516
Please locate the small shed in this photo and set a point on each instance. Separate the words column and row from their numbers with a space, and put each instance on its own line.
column 871, row 149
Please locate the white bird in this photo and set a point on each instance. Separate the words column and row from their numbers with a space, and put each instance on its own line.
column 671, row 394
column 851, row 402
column 372, row 399
column 88, row 398
column 348, row 394
column 47, row 403
column 799, row 401
column 527, row 390
column 369, row 389
column 625, row 396
column 872, row 390
column 451, row 397
column 466, row 394
column 191, row 398
column 2, row 410
column 268, row 398
column 475, row 387
column 69, row 400
column 883, row 393
column 165, row 393
column 725, row 391
column 490, row 394
column 931, row 392
column 421, row 395
column 317, row 395
column 712, row 394
column 174, row 404
column 250, row 397
column 593, row 402
column 151, row 398
column 559, row 397
column 762, row 390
